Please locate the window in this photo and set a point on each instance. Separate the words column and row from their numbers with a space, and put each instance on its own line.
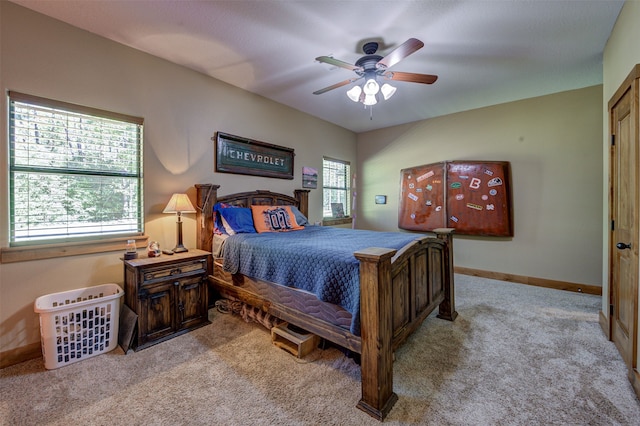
column 75, row 172
column 336, row 188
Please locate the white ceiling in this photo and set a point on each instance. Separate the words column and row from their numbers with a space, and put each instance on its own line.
column 485, row 52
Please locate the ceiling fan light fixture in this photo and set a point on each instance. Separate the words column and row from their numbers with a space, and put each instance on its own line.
column 387, row 91
column 354, row 93
column 373, row 66
column 371, row 87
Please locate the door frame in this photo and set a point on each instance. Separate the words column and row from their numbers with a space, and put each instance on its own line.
column 631, row 82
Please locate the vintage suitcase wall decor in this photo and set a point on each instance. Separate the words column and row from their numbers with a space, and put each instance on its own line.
column 474, row 197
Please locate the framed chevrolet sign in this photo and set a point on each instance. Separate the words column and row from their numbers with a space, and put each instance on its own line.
column 238, row 155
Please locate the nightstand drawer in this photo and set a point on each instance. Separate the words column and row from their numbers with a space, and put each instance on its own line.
column 174, row 270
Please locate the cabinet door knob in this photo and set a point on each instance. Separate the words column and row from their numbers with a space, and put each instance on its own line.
column 622, row 246
column 177, row 283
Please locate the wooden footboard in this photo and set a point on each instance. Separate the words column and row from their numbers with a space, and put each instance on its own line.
column 398, row 290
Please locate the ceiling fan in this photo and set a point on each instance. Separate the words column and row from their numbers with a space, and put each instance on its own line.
column 372, row 66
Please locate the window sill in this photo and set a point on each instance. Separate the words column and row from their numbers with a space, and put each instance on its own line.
column 49, row 251
column 329, row 221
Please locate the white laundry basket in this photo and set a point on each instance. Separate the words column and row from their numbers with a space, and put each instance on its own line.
column 78, row 324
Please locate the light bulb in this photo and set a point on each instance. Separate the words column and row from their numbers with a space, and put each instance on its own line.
column 371, row 87
column 354, row 93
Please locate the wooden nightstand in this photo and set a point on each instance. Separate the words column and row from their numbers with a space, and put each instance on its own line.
column 168, row 293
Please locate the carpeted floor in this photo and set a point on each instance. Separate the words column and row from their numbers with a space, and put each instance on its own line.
column 516, row 355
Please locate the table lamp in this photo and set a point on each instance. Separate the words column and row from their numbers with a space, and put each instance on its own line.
column 178, row 204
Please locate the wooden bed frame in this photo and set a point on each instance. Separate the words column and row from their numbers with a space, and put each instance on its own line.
column 399, row 289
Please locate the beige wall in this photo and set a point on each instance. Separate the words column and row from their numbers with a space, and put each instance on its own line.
column 182, row 110
column 621, row 54
column 554, row 146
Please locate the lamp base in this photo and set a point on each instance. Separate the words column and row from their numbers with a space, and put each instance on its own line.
column 180, row 249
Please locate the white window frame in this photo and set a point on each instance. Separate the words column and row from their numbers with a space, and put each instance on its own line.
column 75, row 237
column 336, row 188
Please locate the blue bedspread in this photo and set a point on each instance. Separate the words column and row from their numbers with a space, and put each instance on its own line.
column 317, row 259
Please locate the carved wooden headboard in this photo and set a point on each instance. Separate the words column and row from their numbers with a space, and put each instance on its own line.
column 207, row 197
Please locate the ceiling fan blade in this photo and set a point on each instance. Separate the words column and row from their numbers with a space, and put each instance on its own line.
column 410, row 77
column 400, row 52
column 335, row 86
column 338, row 63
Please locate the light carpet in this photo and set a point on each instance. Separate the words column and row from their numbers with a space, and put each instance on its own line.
column 516, row 355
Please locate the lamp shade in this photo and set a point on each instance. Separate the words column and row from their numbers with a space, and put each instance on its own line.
column 370, row 100
column 354, row 93
column 179, row 203
column 387, row 91
column 371, row 87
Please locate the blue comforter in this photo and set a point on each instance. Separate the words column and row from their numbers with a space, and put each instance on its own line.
column 316, row 259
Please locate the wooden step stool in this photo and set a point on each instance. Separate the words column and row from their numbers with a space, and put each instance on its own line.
column 296, row 341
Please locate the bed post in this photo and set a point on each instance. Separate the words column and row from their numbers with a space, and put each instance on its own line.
column 302, row 195
column 447, row 309
column 377, row 337
column 206, row 196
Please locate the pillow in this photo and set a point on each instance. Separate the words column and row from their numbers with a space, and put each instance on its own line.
column 218, row 226
column 300, row 218
column 238, row 220
column 274, row 219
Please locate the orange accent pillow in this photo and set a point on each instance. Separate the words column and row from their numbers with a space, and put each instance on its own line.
column 274, row 219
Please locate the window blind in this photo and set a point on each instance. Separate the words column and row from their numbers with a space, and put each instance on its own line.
column 336, row 185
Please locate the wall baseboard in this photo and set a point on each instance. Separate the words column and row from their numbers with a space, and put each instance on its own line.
column 539, row 282
column 21, row 354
